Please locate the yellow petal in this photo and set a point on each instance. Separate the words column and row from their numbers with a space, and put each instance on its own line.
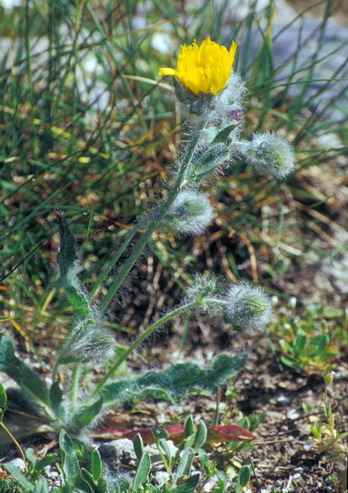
column 205, row 68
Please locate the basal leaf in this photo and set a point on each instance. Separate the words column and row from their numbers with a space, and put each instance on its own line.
column 71, row 469
column 142, row 472
column 185, row 463
column 19, row 477
column 21, row 373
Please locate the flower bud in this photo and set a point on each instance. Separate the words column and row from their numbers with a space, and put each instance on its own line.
column 191, row 212
column 202, row 286
column 87, row 342
column 247, row 307
column 270, row 152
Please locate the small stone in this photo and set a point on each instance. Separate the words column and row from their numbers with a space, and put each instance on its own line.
column 293, row 414
column 282, row 400
column 18, row 463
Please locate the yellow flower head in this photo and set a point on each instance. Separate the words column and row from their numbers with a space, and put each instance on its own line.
column 205, row 68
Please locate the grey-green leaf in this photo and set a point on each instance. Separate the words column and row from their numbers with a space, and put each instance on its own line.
column 71, row 469
column 224, row 134
column 86, row 414
column 175, row 381
column 31, row 385
column 165, row 447
column 143, row 471
column 41, row 486
column 19, row 477
column 185, row 463
column 201, row 434
column 207, row 161
column 138, row 445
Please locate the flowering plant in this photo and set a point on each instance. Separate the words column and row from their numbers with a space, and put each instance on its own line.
column 211, row 97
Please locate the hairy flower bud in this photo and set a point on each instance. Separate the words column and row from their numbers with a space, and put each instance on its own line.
column 202, row 287
column 270, row 152
column 191, row 212
column 247, row 307
column 87, row 342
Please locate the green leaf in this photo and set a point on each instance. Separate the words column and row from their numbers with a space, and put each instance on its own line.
column 300, row 343
column 88, row 481
column 224, row 134
column 67, row 260
column 189, row 427
column 47, row 460
column 56, row 398
column 41, row 486
column 165, row 447
column 96, row 465
column 175, row 381
column 143, row 471
column 29, row 454
column 206, row 161
column 289, row 362
column 71, row 469
column 201, row 434
column 31, row 385
column 203, row 457
column 3, row 397
column 317, row 345
column 86, row 414
column 67, row 254
column 244, row 475
column 19, row 477
column 187, row 486
column 185, row 463
column 138, row 445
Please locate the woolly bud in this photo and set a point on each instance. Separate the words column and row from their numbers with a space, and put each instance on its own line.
column 191, row 212
column 202, row 287
column 247, row 307
column 270, row 152
column 87, row 342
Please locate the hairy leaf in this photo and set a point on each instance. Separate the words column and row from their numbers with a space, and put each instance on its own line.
column 175, row 381
column 86, row 414
column 21, row 373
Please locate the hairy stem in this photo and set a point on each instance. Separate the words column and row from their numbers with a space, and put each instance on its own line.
column 74, row 389
column 116, row 257
column 140, row 245
column 140, row 339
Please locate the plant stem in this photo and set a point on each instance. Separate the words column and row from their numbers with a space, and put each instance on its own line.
column 116, row 257
column 74, row 389
column 140, row 339
column 128, row 264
